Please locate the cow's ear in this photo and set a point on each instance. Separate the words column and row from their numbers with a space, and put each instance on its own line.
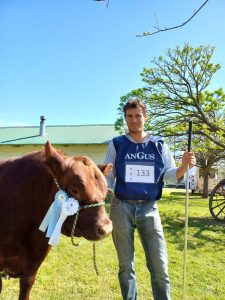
column 53, row 159
column 106, row 169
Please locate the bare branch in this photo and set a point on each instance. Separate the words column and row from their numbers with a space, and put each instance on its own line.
column 102, row 1
column 210, row 138
column 174, row 27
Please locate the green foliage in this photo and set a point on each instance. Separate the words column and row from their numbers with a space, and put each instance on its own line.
column 175, row 91
column 68, row 272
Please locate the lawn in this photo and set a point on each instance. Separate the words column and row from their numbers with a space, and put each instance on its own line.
column 68, row 272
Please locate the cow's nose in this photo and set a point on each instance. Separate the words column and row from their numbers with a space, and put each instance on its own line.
column 105, row 230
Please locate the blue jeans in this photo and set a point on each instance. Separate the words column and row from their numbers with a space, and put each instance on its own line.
column 145, row 217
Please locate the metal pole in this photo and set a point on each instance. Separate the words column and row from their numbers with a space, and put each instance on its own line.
column 186, row 214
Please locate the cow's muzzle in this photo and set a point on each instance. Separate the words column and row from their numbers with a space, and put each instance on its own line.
column 102, row 230
column 105, row 230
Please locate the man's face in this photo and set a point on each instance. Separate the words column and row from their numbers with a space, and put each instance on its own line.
column 135, row 120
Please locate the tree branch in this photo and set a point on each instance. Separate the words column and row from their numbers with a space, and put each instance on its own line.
column 102, row 1
column 210, row 138
column 174, row 27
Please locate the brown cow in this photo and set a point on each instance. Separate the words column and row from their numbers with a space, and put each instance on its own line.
column 27, row 189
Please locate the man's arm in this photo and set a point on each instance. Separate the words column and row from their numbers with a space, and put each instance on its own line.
column 170, row 168
column 110, row 158
column 172, row 173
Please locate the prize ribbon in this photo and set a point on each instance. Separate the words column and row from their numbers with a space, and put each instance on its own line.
column 69, row 208
column 53, row 213
column 60, row 209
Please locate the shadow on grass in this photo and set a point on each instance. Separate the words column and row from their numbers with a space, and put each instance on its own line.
column 180, row 195
column 201, row 230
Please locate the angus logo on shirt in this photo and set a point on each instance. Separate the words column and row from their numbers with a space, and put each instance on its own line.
column 140, row 155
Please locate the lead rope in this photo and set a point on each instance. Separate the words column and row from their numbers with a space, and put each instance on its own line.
column 74, row 226
column 78, row 244
column 94, row 259
column 73, row 230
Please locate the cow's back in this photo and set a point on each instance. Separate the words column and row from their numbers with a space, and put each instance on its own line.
column 25, row 188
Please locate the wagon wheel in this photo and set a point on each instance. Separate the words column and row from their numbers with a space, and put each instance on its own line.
column 217, row 201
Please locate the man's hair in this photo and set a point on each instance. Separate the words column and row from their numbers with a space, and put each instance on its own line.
column 135, row 103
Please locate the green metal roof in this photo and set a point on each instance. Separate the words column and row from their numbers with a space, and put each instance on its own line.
column 67, row 134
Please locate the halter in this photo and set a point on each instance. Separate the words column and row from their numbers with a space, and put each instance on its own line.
column 77, row 215
column 76, row 219
column 60, row 209
column 75, row 223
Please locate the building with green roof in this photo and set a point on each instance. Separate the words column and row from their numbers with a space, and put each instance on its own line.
column 75, row 140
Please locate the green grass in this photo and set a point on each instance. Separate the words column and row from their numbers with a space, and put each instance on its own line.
column 68, row 272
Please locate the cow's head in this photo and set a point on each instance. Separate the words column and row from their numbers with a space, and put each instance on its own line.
column 83, row 180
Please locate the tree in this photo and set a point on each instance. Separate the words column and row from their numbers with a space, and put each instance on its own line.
column 209, row 156
column 175, row 92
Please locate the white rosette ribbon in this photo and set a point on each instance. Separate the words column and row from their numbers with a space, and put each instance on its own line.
column 69, row 208
column 53, row 213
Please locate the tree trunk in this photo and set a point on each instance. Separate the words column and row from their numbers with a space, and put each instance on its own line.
column 205, row 193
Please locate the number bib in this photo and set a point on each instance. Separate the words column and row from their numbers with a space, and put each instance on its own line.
column 140, row 172
column 139, row 169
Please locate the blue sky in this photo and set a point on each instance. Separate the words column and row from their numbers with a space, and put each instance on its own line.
column 72, row 60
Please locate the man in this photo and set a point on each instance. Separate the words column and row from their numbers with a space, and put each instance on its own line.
column 141, row 164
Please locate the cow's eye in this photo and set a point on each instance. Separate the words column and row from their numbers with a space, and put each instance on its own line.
column 73, row 191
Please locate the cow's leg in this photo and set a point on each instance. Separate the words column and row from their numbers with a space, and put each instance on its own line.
column 26, row 283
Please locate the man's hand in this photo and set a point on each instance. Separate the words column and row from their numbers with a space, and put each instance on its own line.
column 188, row 159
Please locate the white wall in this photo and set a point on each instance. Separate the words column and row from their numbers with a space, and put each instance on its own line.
column 95, row 152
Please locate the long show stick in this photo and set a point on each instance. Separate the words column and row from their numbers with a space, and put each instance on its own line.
column 186, row 214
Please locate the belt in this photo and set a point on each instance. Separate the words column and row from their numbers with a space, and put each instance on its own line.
column 135, row 201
